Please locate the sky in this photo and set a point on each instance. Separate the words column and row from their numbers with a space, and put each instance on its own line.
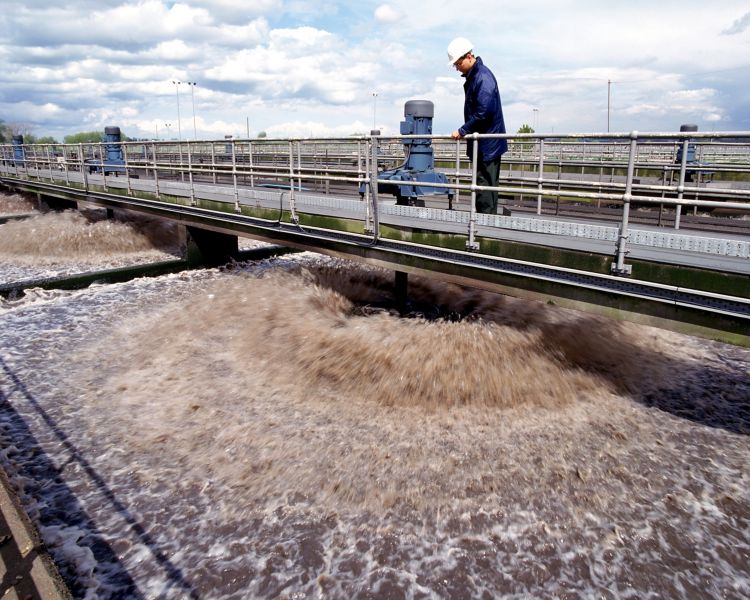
column 299, row 68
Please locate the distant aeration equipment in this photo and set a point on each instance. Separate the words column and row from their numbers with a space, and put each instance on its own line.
column 690, row 159
column 114, row 162
column 419, row 165
column 18, row 153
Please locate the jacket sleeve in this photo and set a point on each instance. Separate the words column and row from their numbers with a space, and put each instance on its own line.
column 485, row 107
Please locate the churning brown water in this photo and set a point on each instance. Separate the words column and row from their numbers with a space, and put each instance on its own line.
column 52, row 237
column 16, row 204
column 276, row 430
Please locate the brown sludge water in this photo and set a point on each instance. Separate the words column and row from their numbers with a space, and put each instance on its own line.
column 15, row 204
column 278, row 431
column 70, row 236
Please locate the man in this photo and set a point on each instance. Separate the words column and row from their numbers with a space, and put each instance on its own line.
column 483, row 113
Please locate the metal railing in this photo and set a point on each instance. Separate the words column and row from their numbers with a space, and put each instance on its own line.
column 647, row 168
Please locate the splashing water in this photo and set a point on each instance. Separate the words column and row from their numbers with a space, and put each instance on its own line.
column 55, row 237
column 281, row 431
column 15, row 204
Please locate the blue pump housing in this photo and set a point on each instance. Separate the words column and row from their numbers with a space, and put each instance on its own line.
column 19, row 155
column 691, row 146
column 419, row 165
column 113, row 162
column 691, row 160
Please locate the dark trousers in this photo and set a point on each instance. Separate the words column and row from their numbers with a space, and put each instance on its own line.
column 488, row 174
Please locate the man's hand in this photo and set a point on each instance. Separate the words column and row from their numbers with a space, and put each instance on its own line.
column 456, row 136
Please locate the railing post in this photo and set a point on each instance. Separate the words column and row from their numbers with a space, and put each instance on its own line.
column 49, row 163
column 252, row 165
column 127, row 171
column 234, row 177
column 374, row 182
column 619, row 267
column 458, row 174
column 364, row 181
column 65, row 166
column 361, row 158
column 190, row 175
column 156, row 172
column 299, row 166
column 292, row 197
column 83, row 168
column 681, row 184
column 179, row 151
column 213, row 163
column 471, row 244
column 103, row 164
column 540, row 179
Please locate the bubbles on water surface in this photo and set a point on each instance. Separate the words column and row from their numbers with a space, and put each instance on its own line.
column 56, row 237
column 282, row 430
column 15, row 204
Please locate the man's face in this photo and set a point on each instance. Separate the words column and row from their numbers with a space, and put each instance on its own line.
column 464, row 64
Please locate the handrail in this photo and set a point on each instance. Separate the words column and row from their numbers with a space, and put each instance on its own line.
column 631, row 159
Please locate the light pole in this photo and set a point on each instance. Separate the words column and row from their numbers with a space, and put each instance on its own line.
column 374, row 110
column 168, row 125
column 192, row 85
column 179, row 128
column 609, row 93
column 536, row 118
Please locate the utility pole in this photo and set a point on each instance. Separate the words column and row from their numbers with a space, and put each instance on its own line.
column 192, row 85
column 609, row 94
column 179, row 128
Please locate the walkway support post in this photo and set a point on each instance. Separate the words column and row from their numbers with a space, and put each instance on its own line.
column 208, row 248
column 401, row 289
column 471, row 244
column 374, row 183
column 620, row 268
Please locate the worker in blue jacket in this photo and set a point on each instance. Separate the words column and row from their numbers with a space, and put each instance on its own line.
column 483, row 113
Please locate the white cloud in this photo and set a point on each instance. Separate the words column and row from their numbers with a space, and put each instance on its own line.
column 238, row 9
column 739, row 26
column 301, row 41
column 385, row 13
column 315, row 129
column 297, row 64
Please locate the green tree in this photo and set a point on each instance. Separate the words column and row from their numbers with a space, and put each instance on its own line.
column 525, row 129
column 83, row 137
column 8, row 130
column 45, row 139
column 262, row 134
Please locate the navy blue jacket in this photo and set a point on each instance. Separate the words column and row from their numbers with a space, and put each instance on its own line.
column 483, row 112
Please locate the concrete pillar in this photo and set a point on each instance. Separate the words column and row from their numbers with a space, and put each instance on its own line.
column 400, row 289
column 208, row 248
column 46, row 203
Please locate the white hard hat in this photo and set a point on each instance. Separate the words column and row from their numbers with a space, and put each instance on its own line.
column 457, row 48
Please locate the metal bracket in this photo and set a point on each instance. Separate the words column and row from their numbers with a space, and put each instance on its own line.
column 625, row 271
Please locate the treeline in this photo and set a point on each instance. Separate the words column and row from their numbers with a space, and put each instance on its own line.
column 8, row 130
